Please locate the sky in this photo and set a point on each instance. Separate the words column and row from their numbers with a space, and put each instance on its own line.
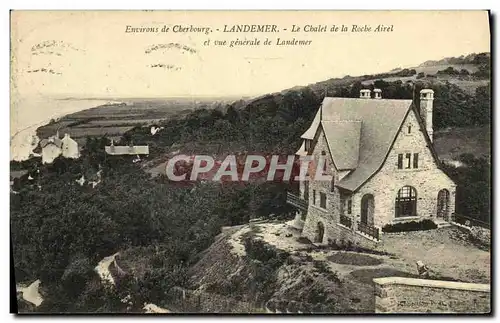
column 89, row 54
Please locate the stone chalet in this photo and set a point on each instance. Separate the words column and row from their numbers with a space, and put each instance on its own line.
column 384, row 169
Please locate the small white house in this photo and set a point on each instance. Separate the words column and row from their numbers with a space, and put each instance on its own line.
column 54, row 147
column 126, row 150
column 69, row 147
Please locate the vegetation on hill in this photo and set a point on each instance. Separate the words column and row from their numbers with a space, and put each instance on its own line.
column 60, row 230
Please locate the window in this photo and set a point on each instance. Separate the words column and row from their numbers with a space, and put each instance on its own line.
column 323, row 155
column 409, row 129
column 349, row 206
column 406, row 202
column 408, row 160
column 409, row 163
column 333, row 184
column 322, row 200
column 308, row 145
column 314, row 197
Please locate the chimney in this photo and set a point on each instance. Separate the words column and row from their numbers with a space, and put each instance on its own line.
column 426, row 107
column 378, row 93
column 364, row 94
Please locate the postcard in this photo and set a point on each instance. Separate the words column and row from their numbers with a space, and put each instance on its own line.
column 257, row 162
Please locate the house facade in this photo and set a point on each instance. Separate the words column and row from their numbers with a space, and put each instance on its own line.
column 69, row 147
column 383, row 168
column 51, row 149
column 54, row 147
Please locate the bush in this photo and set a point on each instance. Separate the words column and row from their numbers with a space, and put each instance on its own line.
column 410, row 226
column 261, row 251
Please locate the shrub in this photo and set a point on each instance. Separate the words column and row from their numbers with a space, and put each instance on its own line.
column 322, row 268
column 261, row 251
column 410, row 226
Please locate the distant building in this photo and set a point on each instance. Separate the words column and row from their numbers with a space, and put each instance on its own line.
column 15, row 176
column 126, row 150
column 69, row 147
column 54, row 147
column 51, row 149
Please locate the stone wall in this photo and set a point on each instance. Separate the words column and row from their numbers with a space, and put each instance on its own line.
column 315, row 213
column 411, row 295
column 427, row 179
column 181, row 300
column 335, row 232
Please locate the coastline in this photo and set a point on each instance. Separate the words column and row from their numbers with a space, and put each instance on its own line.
column 26, row 119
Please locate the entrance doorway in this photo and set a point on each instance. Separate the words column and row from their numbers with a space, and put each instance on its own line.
column 443, row 204
column 367, row 209
column 320, row 232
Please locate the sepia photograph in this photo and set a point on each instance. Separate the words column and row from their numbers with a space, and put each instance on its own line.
column 250, row 162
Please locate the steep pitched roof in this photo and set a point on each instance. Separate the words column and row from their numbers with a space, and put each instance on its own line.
column 54, row 141
column 343, row 141
column 67, row 139
column 379, row 120
column 302, row 150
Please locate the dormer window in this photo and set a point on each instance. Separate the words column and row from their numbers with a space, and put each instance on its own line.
column 307, row 144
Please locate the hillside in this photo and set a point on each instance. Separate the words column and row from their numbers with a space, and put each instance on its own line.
column 113, row 120
column 267, row 267
column 173, row 238
column 466, row 72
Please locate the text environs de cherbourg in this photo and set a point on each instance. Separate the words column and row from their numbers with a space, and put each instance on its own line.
column 267, row 28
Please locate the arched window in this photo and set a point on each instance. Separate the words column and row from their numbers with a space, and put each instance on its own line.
column 406, row 202
column 320, row 232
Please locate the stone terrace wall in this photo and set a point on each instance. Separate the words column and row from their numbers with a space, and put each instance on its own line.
column 410, row 295
column 182, row 300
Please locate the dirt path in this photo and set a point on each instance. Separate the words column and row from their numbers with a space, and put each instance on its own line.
column 31, row 294
column 102, row 268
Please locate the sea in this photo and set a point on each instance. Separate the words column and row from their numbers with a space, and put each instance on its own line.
column 30, row 112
